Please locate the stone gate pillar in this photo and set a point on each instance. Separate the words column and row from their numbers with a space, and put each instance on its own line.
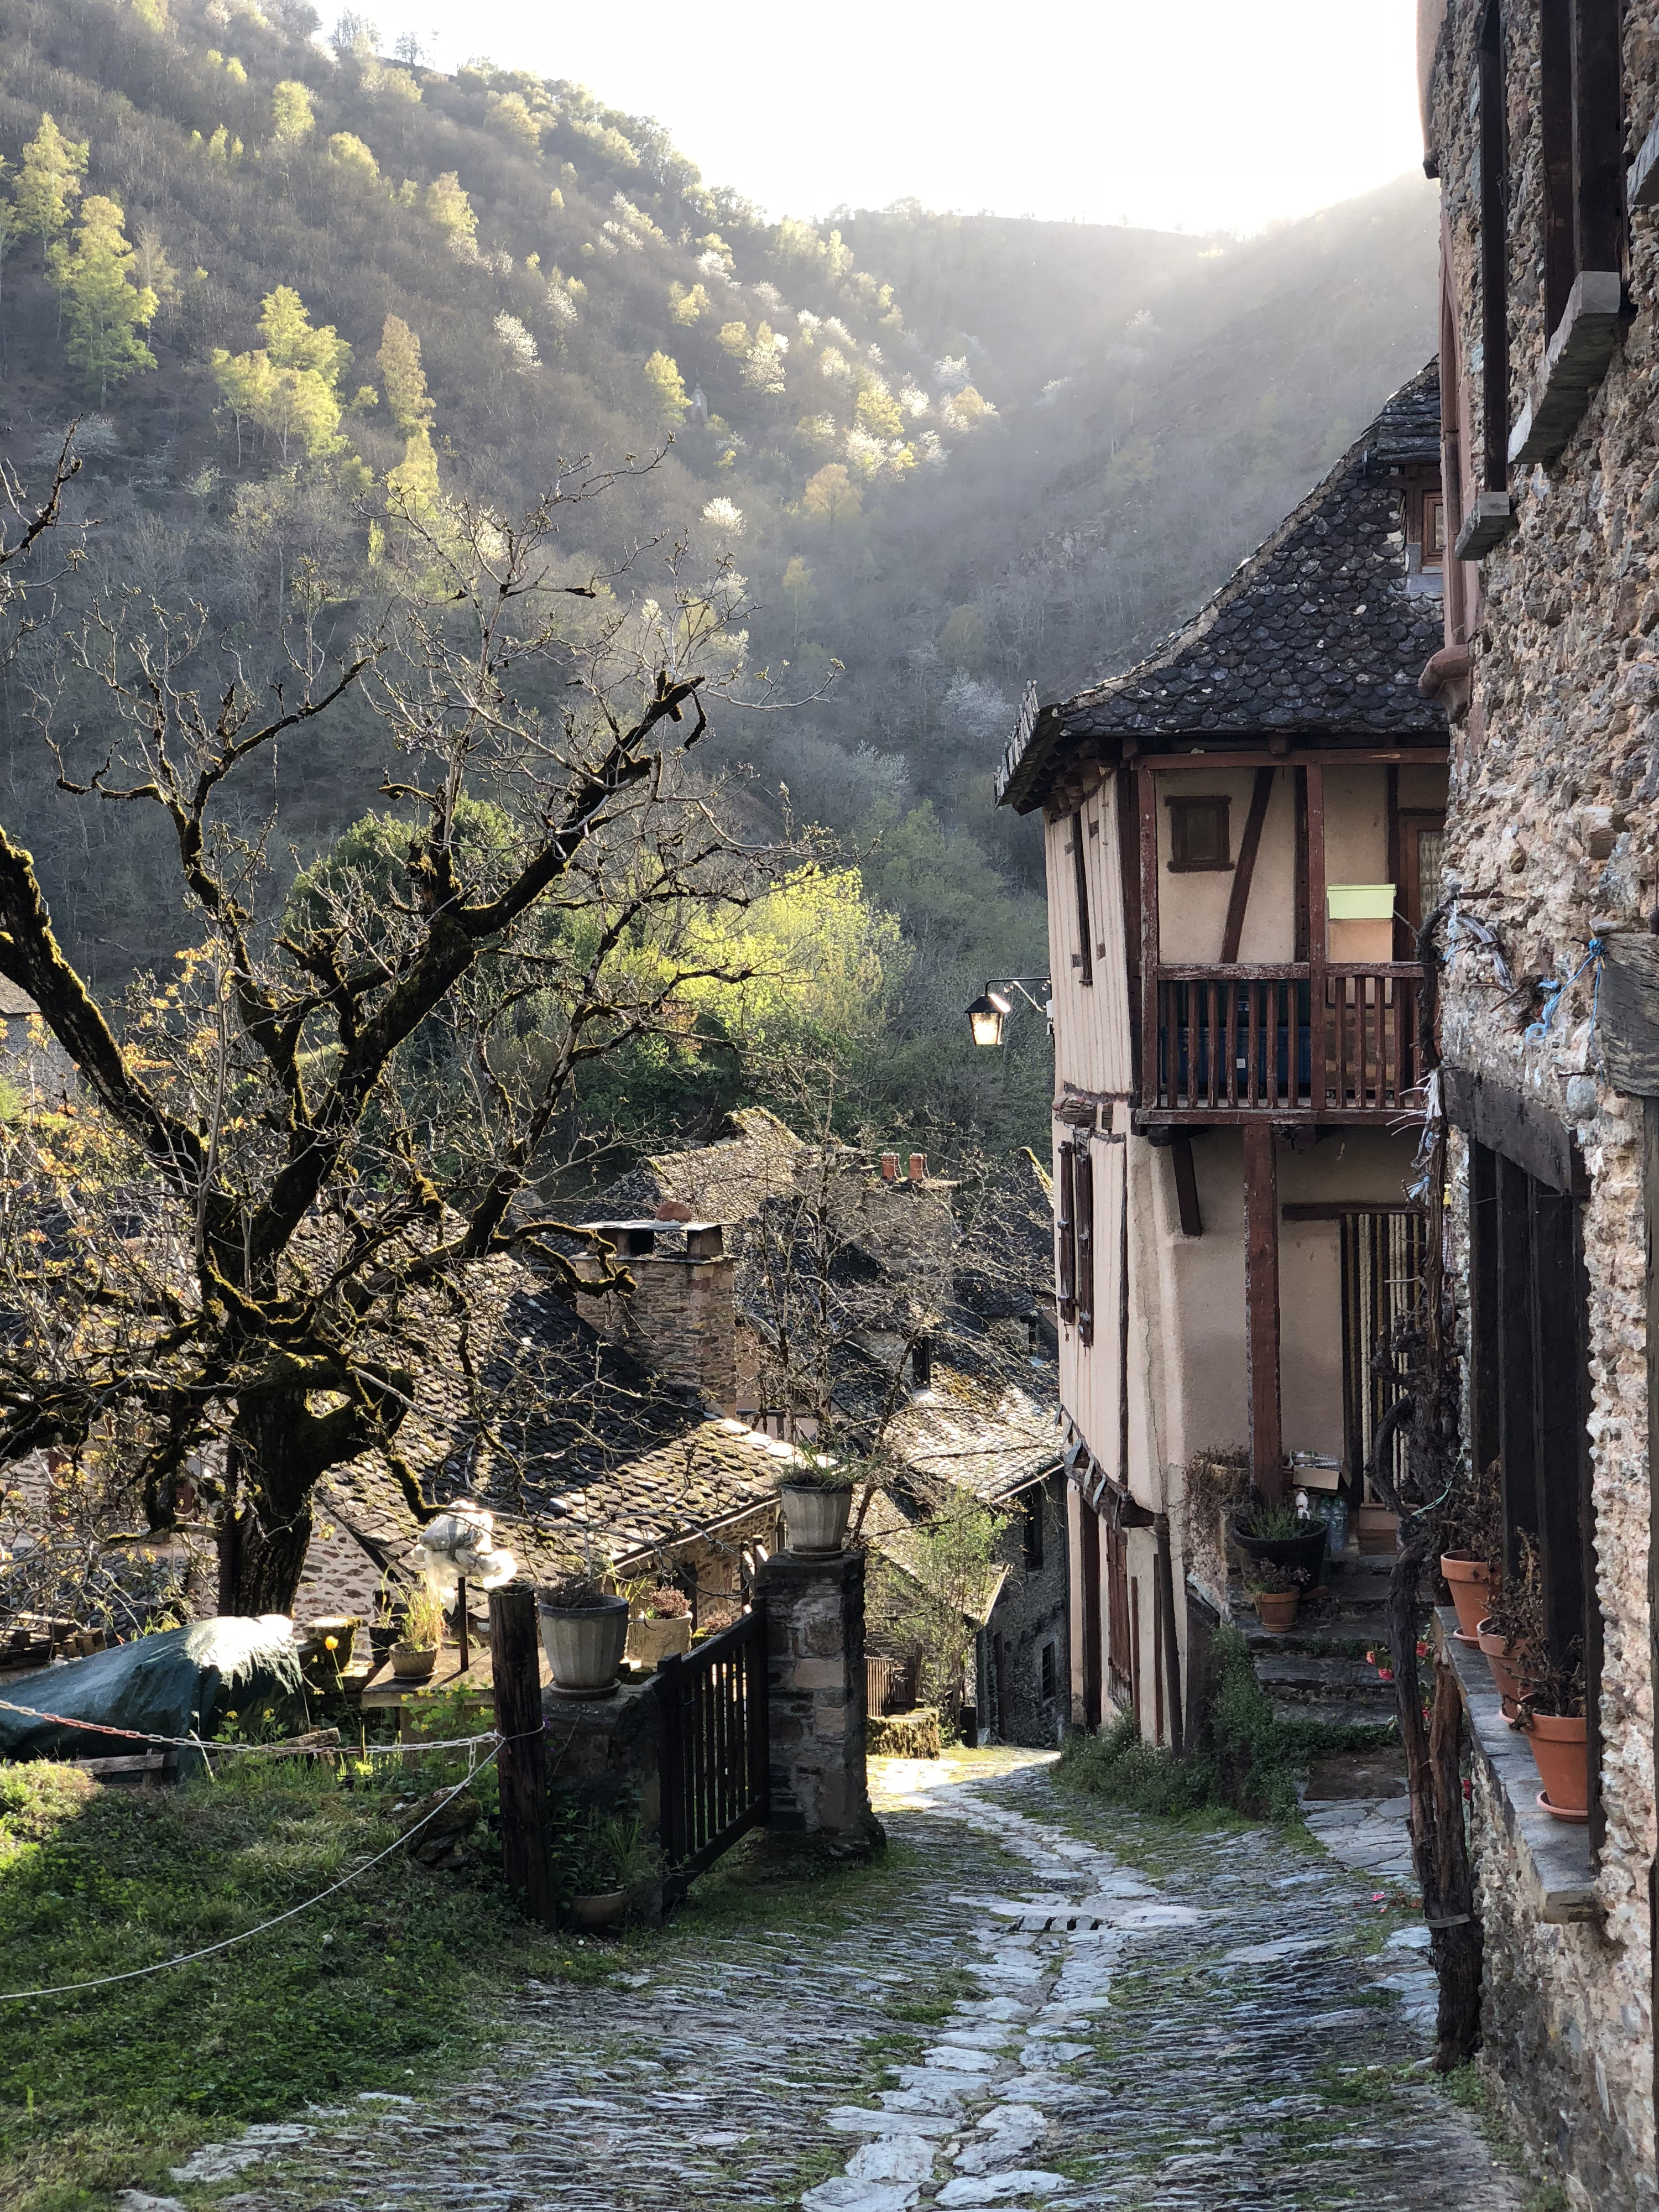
column 815, row 1691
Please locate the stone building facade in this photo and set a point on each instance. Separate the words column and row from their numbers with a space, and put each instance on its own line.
column 1541, row 121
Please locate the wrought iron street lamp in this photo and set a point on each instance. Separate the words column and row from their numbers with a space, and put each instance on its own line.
column 987, row 1017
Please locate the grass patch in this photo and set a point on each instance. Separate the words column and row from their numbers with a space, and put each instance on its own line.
column 371, row 1990
column 1249, row 1759
column 938, row 1997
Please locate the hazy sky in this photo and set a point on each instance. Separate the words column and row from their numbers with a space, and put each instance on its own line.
column 1205, row 114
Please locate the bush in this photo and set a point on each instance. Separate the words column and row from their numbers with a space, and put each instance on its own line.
column 1247, row 1757
column 905, row 1735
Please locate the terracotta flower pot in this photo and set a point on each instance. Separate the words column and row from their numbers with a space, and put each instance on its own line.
column 1503, row 1674
column 1470, row 1580
column 1560, row 1751
column 1276, row 1609
column 815, row 1517
column 1379, row 1530
column 583, row 1646
column 414, row 1662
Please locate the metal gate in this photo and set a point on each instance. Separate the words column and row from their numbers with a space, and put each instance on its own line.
column 712, row 1762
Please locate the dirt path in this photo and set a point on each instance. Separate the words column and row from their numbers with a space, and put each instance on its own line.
column 1036, row 2002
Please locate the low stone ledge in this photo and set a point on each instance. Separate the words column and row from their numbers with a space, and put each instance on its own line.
column 1554, row 1857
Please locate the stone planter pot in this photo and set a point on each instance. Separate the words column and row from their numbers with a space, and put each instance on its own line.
column 1503, row 1675
column 1295, row 1555
column 414, row 1662
column 651, row 1642
column 602, row 1910
column 1469, row 1580
column 814, row 1517
column 1276, row 1609
column 1560, row 1752
column 583, row 1646
column 1379, row 1531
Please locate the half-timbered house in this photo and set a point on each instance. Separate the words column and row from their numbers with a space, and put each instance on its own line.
column 1243, row 834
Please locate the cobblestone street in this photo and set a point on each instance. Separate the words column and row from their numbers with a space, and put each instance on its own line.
column 1012, row 2012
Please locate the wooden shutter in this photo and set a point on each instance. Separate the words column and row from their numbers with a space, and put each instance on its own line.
column 1066, row 1233
column 1080, row 873
column 1084, row 1279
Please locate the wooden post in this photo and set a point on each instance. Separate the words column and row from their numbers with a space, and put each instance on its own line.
column 1261, row 1307
column 1151, row 1061
column 463, row 1631
column 1318, row 944
column 521, row 1762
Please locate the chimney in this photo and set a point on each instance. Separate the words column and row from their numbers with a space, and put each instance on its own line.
column 890, row 1167
column 918, row 1167
column 682, row 1318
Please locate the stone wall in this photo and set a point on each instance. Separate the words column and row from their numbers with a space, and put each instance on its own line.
column 815, row 1686
column 1030, row 1612
column 1555, row 819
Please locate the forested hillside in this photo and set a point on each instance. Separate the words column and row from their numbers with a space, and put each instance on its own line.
column 295, row 288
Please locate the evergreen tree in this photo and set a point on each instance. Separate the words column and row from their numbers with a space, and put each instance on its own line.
column 50, row 178
column 105, row 307
column 403, row 378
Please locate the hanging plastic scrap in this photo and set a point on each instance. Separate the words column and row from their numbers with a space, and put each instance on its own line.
column 462, row 1542
column 1553, row 992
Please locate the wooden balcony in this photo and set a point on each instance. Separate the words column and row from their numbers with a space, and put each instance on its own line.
column 1229, row 1043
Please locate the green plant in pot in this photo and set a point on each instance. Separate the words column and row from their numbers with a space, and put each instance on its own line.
column 415, row 1655
column 1278, row 1536
column 600, row 1858
column 584, row 1633
column 818, row 1503
column 1277, row 1592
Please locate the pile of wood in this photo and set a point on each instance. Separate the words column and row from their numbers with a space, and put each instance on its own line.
column 35, row 1639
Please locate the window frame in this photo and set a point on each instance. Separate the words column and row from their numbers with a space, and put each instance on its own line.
column 1084, row 958
column 1183, row 806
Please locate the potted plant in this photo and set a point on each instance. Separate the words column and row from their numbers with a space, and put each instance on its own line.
column 416, row 1655
column 1277, row 1592
column 584, row 1633
column 606, row 1858
column 1552, row 1718
column 660, row 1626
column 1469, row 1580
column 818, row 1503
column 1469, row 1524
column 1278, row 1536
column 1496, row 1645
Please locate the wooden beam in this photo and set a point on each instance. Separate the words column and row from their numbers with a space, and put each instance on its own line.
column 1261, row 1307
column 1244, row 869
column 1340, row 1209
column 1515, row 1426
column 1186, row 1183
column 1318, row 946
column 1149, row 1070
column 1629, row 1026
column 1519, row 1127
column 1089, row 1533
column 1598, row 137
column 1129, row 855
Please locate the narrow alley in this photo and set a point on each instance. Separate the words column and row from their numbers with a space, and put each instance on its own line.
column 1012, row 2010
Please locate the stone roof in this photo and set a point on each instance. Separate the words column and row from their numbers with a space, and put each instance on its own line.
column 1314, row 635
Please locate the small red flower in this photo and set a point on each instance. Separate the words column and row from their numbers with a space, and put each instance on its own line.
column 1422, row 1651
column 1468, row 1789
column 1385, row 1673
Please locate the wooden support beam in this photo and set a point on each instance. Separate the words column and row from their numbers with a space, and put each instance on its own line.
column 1515, row 1352
column 1318, row 949
column 1186, row 1183
column 1261, row 1307
column 521, row 1762
column 1151, row 1057
column 1089, row 1533
column 1244, row 868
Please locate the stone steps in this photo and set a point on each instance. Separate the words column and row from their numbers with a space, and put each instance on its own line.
column 1317, row 1670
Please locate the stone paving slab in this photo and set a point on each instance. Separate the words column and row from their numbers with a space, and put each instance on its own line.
column 1168, row 2024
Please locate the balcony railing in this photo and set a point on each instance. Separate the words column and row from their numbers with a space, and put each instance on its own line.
column 1337, row 1044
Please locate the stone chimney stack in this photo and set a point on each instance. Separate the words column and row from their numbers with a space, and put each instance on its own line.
column 681, row 1319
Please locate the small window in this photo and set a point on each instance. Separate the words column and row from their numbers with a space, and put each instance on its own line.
column 1434, row 530
column 1083, row 959
column 1050, row 1674
column 1033, row 1529
column 1198, row 834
